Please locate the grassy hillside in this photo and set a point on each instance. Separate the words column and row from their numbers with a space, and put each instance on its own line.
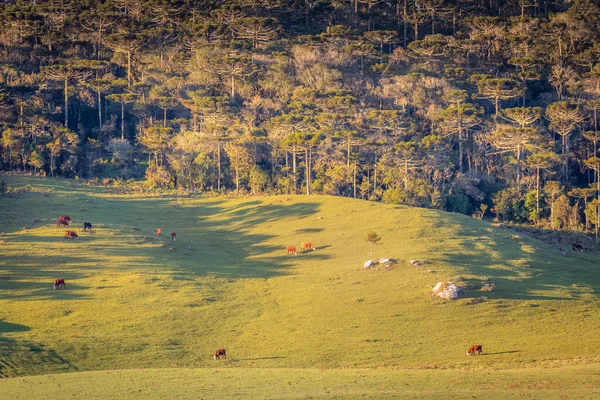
column 134, row 300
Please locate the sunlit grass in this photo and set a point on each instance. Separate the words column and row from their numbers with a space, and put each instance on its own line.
column 291, row 383
column 134, row 300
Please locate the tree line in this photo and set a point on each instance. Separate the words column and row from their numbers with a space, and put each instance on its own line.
column 484, row 107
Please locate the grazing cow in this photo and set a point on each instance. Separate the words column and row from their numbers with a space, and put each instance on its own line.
column 157, row 232
column 577, row 246
column 71, row 234
column 220, row 354
column 306, row 246
column 475, row 348
column 59, row 283
column 291, row 250
column 63, row 220
column 173, row 234
column 86, row 226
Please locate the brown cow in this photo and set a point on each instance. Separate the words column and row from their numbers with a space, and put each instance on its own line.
column 63, row 220
column 306, row 246
column 291, row 250
column 59, row 283
column 220, row 354
column 475, row 348
column 577, row 246
column 71, row 234
column 173, row 234
column 157, row 232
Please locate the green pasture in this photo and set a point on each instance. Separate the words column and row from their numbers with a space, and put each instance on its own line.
column 565, row 382
column 137, row 301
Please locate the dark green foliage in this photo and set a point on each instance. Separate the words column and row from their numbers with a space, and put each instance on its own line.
column 358, row 99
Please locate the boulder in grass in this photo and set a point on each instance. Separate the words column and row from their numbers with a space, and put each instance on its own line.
column 446, row 290
column 386, row 263
column 489, row 287
column 416, row 263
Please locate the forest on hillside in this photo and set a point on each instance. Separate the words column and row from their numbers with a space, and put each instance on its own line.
column 484, row 107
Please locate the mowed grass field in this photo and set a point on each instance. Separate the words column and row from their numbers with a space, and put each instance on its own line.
column 159, row 308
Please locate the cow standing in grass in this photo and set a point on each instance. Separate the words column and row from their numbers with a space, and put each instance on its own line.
column 291, row 250
column 157, row 232
column 63, row 220
column 304, row 246
column 86, row 226
column 173, row 234
column 71, row 234
column 220, row 354
column 475, row 348
column 59, row 283
column 577, row 246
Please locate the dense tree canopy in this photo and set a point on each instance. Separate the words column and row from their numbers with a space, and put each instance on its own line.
column 459, row 105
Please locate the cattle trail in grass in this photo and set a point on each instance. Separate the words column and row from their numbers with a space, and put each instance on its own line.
column 135, row 302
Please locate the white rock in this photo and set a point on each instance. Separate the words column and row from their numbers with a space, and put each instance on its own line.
column 416, row 263
column 383, row 260
column 368, row 264
column 436, row 288
column 446, row 290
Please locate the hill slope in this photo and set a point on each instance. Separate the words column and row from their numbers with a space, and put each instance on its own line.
column 135, row 300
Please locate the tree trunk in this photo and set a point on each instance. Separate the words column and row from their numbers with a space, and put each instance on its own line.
column 497, row 102
column 537, row 196
column 460, row 150
column 355, row 180
column 405, row 25
column 348, row 152
column 66, row 103
column 518, row 165
column 405, row 174
column 307, row 154
column 294, row 168
column 552, row 213
column 129, row 69
column 122, row 119
column 219, row 166
column 99, row 109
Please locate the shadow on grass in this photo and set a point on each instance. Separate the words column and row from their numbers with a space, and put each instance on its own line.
column 520, row 267
column 215, row 237
column 14, row 354
column 257, row 358
column 309, row 230
column 501, row 352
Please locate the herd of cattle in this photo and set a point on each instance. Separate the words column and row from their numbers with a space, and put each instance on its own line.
column 291, row 250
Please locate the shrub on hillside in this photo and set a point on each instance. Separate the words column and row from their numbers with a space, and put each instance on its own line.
column 159, row 177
